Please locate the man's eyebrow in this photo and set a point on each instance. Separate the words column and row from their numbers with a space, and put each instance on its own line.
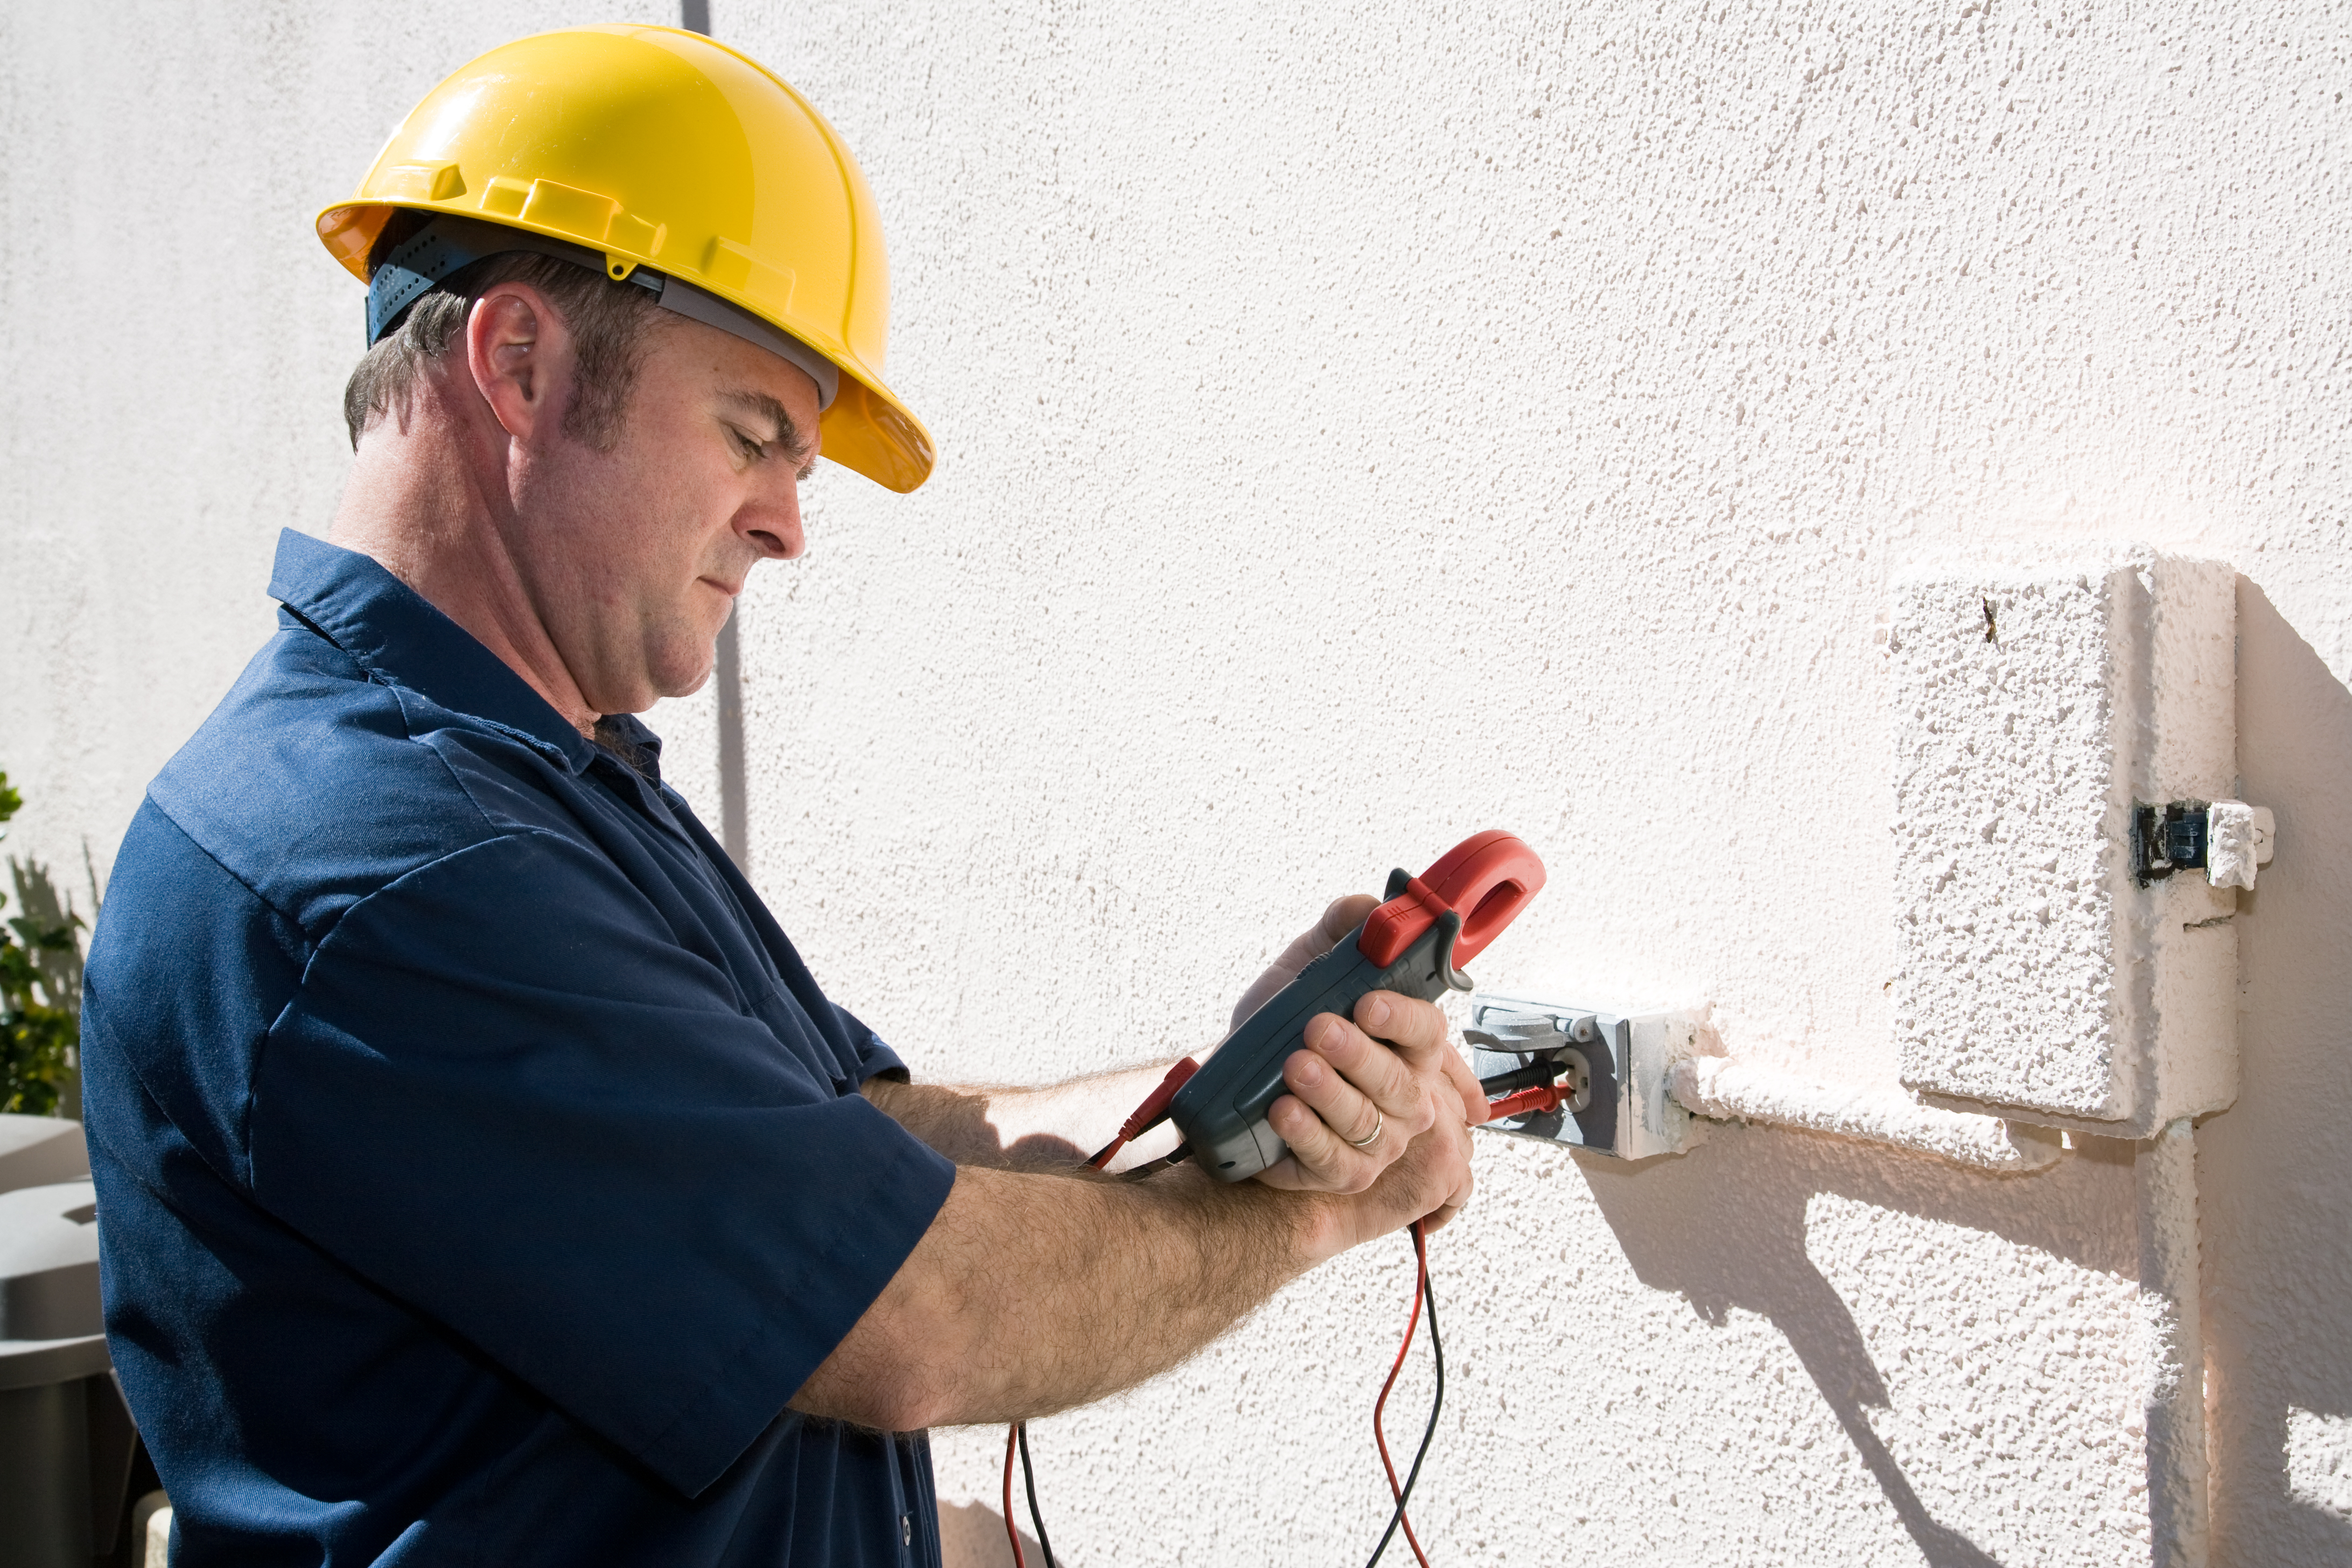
column 789, row 435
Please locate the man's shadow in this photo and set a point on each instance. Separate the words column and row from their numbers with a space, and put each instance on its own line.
column 1725, row 1227
column 971, row 1535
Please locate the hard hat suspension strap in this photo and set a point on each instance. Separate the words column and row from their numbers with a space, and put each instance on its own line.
column 448, row 242
column 445, row 245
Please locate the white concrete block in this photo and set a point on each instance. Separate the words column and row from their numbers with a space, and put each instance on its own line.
column 2036, row 710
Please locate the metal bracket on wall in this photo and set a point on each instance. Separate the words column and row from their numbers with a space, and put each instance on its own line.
column 2226, row 839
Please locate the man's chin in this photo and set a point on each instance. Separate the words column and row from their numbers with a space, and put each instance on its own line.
column 686, row 681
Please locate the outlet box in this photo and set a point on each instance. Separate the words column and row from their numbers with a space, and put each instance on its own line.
column 1627, row 1059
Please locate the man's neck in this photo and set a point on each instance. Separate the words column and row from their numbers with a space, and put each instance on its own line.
column 426, row 499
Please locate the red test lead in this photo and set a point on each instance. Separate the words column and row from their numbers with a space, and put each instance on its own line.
column 1413, row 944
column 1150, row 1114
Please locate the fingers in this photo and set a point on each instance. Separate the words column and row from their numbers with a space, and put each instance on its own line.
column 1466, row 1084
column 1430, row 1182
column 1355, row 1101
column 1414, row 1028
column 1445, row 1149
column 1437, row 1220
column 1418, row 1030
column 1369, row 1083
column 1435, row 1179
column 1320, row 1160
column 1341, row 1137
column 1348, row 1113
column 1398, row 1059
column 1340, row 916
column 1457, row 1199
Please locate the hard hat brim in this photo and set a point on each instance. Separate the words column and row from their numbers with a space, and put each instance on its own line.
column 868, row 429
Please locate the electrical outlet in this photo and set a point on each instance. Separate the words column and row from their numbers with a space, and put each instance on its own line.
column 1617, row 1066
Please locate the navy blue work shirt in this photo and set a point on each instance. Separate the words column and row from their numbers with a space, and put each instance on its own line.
column 479, row 1170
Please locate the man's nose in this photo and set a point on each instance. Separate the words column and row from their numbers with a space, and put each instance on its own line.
column 771, row 523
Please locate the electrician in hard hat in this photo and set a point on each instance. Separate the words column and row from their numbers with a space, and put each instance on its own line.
column 485, row 1177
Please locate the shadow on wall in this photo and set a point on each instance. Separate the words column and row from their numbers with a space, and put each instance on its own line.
column 971, row 1535
column 2274, row 1170
column 1726, row 1228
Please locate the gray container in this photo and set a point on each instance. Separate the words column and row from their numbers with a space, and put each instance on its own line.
column 38, row 1150
column 66, row 1440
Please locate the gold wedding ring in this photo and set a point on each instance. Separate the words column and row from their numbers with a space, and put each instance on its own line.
column 1372, row 1137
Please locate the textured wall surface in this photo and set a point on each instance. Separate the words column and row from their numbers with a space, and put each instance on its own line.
column 1363, row 425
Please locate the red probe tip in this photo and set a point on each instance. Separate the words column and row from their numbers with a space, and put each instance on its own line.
column 1150, row 1113
column 1547, row 1097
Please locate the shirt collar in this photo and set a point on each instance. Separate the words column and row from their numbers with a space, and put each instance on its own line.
column 396, row 634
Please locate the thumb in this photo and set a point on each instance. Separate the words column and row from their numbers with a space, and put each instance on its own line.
column 1342, row 916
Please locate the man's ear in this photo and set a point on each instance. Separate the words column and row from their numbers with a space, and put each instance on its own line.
column 519, row 354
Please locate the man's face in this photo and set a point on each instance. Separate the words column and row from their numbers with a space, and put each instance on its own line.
column 634, row 556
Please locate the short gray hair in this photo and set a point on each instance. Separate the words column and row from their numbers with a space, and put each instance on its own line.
column 608, row 323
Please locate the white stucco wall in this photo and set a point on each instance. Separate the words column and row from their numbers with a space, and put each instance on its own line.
column 1359, row 427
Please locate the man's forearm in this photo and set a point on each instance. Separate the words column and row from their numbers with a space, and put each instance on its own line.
column 1031, row 1293
column 1043, row 1286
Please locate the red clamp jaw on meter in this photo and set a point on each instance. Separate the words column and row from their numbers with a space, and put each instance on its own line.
column 1481, row 884
column 1414, row 945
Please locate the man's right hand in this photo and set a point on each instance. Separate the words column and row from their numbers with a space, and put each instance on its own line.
column 1368, row 1089
column 1372, row 1115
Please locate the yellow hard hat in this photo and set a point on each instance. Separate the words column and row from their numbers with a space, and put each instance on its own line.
column 672, row 161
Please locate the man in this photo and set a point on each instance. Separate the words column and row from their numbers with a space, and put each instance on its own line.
column 485, row 1178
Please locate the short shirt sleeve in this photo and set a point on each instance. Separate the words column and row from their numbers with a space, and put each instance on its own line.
column 875, row 1059
column 506, row 1095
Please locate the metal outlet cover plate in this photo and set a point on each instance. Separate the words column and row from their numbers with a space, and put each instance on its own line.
column 1629, row 1114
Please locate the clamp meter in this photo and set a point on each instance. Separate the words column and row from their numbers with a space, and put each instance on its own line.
column 1413, row 945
